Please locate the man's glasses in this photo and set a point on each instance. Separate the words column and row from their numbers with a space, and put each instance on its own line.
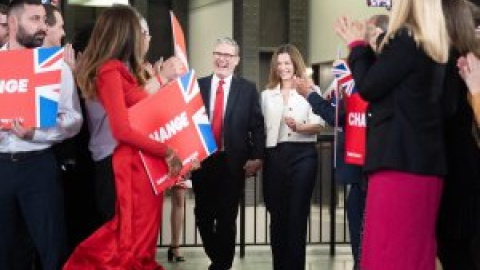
column 224, row 55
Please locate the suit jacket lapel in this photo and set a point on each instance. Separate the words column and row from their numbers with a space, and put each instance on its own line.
column 232, row 98
column 205, row 91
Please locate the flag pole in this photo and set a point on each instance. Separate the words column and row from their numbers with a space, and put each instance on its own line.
column 335, row 129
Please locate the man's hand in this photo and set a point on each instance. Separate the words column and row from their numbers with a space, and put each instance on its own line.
column 22, row 132
column 252, row 167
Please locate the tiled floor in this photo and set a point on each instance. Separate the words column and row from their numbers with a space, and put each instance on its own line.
column 259, row 258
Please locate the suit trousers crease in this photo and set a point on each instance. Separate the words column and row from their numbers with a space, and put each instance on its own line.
column 288, row 182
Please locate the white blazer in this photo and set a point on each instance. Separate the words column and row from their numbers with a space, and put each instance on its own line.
column 297, row 108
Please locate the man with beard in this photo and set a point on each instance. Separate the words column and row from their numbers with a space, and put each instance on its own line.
column 3, row 24
column 30, row 189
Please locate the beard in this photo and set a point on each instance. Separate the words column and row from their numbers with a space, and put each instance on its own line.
column 30, row 41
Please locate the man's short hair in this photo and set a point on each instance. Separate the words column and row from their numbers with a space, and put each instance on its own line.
column 3, row 9
column 50, row 10
column 230, row 41
column 20, row 4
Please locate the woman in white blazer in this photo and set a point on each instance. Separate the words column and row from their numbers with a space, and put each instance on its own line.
column 291, row 158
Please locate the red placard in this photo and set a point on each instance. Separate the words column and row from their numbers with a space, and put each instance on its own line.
column 30, row 91
column 176, row 116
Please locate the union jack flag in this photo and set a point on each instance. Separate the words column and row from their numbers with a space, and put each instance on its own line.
column 181, row 123
column 189, row 86
column 202, row 123
column 41, row 69
column 47, row 60
column 344, row 77
column 179, row 41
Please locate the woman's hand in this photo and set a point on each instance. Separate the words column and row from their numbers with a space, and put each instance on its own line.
column 469, row 67
column 169, row 69
column 349, row 30
column 174, row 163
column 291, row 123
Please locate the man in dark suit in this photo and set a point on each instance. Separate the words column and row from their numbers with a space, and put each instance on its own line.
column 238, row 127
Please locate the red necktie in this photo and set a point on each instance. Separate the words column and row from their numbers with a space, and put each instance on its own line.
column 217, row 120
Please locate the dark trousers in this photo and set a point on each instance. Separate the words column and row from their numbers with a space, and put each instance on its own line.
column 457, row 254
column 105, row 189
column 288, row 182
column 30, row 189
column 218, row 186
column 355, row 209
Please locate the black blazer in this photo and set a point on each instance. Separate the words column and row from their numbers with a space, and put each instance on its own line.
column 403, row 87
column 243, row 124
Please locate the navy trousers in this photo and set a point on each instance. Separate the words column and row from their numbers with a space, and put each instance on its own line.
column 30, row 189
column 355, row 210
column 288, row 181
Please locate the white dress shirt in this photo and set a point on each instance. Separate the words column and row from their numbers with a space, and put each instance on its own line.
column 274, row 111
column 69, row 121
column 213, row 92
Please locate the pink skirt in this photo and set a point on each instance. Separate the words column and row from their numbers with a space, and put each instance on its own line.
column 400, row 216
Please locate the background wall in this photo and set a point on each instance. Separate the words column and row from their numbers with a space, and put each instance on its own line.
column 323, row 42
column 208, row 20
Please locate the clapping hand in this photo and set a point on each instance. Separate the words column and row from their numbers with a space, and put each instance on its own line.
column 304, row 86
column 350, row 30
column 69, row 56
column 469, row 67
column 169, row 69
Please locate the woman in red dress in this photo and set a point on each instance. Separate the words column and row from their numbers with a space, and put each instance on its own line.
column 111, row 70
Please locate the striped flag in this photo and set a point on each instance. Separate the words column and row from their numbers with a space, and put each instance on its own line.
column 179, row 42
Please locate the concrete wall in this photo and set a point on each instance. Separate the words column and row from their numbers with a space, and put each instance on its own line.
column 209, row 20
column 323, row 42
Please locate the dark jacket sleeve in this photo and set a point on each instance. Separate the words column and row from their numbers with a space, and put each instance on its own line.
column 256, row 126
column 373, row 76
column 326, row 110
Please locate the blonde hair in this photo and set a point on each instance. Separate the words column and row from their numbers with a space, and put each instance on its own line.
column 426, row 22
column 297, row 60
column 117, row 35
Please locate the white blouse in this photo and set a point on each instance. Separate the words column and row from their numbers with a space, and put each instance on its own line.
column 274, row 111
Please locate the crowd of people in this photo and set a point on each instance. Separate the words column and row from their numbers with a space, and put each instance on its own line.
column 414, row 199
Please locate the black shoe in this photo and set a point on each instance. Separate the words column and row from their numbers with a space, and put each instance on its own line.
column 172, row 257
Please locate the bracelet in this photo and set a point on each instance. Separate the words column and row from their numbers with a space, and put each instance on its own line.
column 357, row 43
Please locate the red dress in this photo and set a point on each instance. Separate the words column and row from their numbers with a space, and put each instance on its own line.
column 129, row 240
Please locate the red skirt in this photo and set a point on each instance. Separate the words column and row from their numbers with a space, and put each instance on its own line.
column 400, row 217
column 129, row 240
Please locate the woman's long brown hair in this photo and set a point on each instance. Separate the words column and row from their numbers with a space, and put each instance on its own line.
column 461, row 26
column 116, row 35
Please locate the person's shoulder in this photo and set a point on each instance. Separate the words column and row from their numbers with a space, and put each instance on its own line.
column 205, row 79
column 404, row 34
column 244, row 82
column 112, row 64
